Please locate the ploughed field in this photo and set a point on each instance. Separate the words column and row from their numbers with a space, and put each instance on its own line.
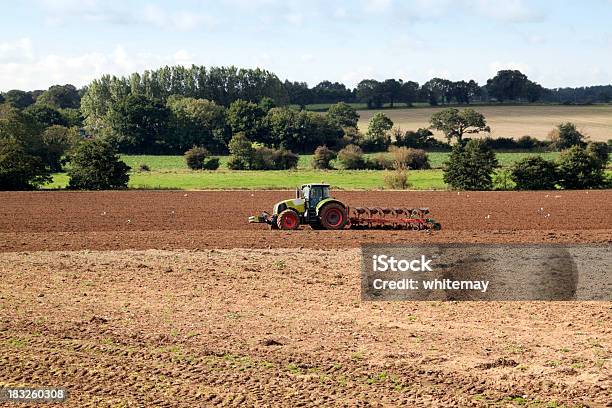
column 218, row 219
column 171, row 299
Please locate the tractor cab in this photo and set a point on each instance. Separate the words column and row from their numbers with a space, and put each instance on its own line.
column 313, row 194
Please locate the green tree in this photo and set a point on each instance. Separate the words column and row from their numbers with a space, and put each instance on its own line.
column 57, row 141
column 46, row 115
column 565, row 136
column 197, row 122
column 378, row 137
column 18, row 169
column 60, row 97
column 95, row 165
column 247, row 117
column 19, row 99
column 298, row 93
column 578, row 169
column 371, row 92
column 241, row 152
column 455, row 123
column 138, row 124
column 22, row 127
column 470, row 166
column 343, row 115
column 507, row 85
column 534, row 173
column 300, row 131
column 409, row 92
column 392, row 90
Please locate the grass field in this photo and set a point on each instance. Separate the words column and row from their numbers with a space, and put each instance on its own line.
column 514, row 121
column 170, row 172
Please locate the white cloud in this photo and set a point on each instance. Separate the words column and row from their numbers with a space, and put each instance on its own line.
column 59, row 12
column 515, row 11
column 42, row 71
column 18, row 50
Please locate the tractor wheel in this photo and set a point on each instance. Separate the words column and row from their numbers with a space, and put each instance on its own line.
column 333, row 216
column 288, row 220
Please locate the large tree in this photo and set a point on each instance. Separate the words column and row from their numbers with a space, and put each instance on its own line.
column 60, row 97
column 95, row 165
column 507, row 85
column 138, row 124
column 392, row 90
column 197, row 122
column 19, row 99
column 455, row 123
column 371, row 92
column 470, row 166
column 247, row 117
column 343, row 115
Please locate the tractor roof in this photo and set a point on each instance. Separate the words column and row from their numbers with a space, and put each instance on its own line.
column 315, row 185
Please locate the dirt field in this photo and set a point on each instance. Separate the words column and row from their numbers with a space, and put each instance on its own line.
column 171, row 299
column 515, row 121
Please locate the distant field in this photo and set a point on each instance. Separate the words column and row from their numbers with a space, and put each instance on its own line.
column 514, row 121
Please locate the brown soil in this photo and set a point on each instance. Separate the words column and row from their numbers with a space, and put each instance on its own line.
column 282, row 328
column 150, row 299
column 218, row 219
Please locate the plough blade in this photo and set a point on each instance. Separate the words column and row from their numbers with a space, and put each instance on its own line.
column 391, row 218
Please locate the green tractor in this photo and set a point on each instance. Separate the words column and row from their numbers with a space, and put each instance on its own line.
column 313, row 205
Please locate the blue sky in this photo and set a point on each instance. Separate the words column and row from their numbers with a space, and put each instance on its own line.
column 556, row 43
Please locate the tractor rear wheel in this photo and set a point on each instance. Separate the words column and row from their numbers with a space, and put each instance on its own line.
column 288, row 220
column 333, row 216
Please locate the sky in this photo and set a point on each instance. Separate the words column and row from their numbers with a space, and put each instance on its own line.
column 556, row 43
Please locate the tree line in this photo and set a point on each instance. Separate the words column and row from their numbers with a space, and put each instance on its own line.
column 223, row 85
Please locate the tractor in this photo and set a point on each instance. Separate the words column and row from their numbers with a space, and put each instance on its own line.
column 314, row 206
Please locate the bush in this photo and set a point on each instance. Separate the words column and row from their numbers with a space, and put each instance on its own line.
column 579, row 169
column 197, row 158
column 351, row 158
column 529, row 143
column 415, row 159
column 600, row 150
column 265, row 158
column 211, row 164
column 379, row 162
column 534, row 173
column 322, row 158
column 241, row 152
column 95, row 165
column 470, row 166
column 144, row 167
column 397, row 179
column 502, row 180
column 18, row 169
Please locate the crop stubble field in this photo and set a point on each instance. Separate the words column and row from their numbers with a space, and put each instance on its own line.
column 514, row 121
column 170, row 298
